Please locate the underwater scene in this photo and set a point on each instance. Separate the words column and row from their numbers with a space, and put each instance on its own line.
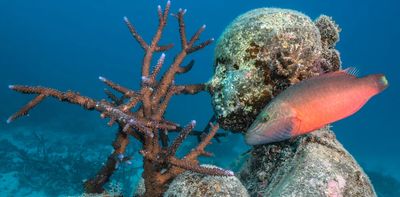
column 199, row 98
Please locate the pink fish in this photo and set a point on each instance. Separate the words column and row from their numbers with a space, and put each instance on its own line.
column 313, row 103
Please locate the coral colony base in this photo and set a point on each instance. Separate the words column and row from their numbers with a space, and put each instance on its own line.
column 146, row 122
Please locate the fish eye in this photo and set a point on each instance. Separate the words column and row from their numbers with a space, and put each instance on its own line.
column 265, row 118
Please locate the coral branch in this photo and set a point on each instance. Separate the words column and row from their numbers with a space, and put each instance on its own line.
column 124, row 91
column 142, row 115
column 191, row 89
column 95, row 184
column 178, row 141
column 117, row 101
column 182, row 29
column 187, row 68
column 132, row 121
column 42, row 92
column 164, row 48
column 24, row 110
column 205, row 141
column 158, row 112
column 130, row 104
column 156, row 70
column 190, row 162
column 196, row 36
column 201, row 134
column 135, row 34
column 164, row 138
column 175, row 67
column 154, row 42
column 200, row 46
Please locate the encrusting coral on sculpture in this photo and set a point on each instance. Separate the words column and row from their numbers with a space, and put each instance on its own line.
column 261, row 53
column 146, row 122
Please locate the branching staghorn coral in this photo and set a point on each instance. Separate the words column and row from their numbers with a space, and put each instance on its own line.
column 140, row 114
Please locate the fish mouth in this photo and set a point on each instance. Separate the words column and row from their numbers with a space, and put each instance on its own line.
column 252, row 139
column 254, row 135
column 257, row 139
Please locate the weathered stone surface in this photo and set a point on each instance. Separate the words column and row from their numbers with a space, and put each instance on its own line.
column 261, row 53
column 195, row 184
column 312, row 165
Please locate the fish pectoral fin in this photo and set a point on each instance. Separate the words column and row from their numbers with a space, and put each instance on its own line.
column 296, row 125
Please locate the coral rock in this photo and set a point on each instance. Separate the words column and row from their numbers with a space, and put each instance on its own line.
column 261, row 53
column 195, row 184
column 312, row 165
column 329, row 31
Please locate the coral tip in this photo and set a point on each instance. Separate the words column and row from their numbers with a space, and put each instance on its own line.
column 11, row 86
column 102, row 79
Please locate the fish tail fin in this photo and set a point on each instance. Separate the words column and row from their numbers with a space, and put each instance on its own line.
column 379, row 82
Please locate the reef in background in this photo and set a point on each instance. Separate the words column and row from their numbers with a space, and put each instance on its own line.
column 261, row 53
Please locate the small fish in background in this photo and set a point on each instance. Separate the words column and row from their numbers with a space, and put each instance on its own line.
column 313, row 103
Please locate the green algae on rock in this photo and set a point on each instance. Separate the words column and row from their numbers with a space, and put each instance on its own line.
column 261, row 53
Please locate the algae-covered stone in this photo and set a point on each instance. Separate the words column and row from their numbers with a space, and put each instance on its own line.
column 329, row 31
column 312, row 165
column 261, row 53
column 195, row 184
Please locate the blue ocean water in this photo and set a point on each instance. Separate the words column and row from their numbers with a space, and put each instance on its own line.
column 68, row 44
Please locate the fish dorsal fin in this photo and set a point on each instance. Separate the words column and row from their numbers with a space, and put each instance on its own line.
column 348, row 73
column 352, row 71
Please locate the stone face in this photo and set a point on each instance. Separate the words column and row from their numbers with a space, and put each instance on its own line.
column 312, row 165
column 195, row 184
column 261, row 53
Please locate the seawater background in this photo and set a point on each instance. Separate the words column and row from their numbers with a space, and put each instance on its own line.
column 68, row 44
